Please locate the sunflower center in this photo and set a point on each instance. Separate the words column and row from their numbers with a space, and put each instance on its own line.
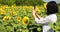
column 18, row 18
column 26, row 21
column 6, row 18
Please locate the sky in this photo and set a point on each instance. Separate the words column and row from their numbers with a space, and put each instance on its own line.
column 57, row 1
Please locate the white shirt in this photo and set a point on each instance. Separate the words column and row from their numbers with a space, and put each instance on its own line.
column 50, row 18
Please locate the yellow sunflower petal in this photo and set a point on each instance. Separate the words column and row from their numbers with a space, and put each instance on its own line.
column 25, row 20
column 37, row 9
column 2, row 11
column 45, row 5
column 13, row 13
column 18, row 19
column 6, row 18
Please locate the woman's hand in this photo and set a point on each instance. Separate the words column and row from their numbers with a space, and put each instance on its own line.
column 35, row 14
column 34, row 11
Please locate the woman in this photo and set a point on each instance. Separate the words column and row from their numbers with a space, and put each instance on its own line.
column 52, row 9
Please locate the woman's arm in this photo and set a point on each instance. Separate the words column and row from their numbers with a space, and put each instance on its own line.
column 35, row 15
column 42, row 21
column 38, row 16
column 39, row 19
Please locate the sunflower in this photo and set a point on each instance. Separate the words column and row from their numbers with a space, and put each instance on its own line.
column 45, row 5
column 25, row 20
column 2, row 11
column 0, row 8
column 37, row 9
column 6, row 6
column 24, row 6
column 13, row 13
column 14, row 5
column 18, row 19
column 6, row 18
column 31, row 7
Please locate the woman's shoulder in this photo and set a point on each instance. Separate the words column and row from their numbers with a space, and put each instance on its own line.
column 52, row 17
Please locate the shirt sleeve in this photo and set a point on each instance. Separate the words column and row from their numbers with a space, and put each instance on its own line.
column 53, row 19
column 48, row 19
column 42, row 20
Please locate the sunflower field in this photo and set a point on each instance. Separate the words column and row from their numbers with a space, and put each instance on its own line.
column 20, row 19
column 17, row 18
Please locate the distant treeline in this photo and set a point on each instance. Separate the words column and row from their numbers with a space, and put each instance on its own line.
column 21, row 2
